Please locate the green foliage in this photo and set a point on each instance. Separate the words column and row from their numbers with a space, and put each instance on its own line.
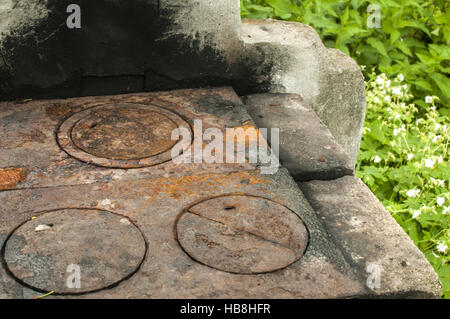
column 404, row 160
column 414, row 38
column 404, row 149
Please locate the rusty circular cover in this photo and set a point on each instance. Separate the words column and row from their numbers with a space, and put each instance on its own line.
column 46, row 253
column 242, row 234
column 121, row 135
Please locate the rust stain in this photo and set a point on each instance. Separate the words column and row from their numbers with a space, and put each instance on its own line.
column 189, row 185
column 246, row 133
column 124, row 133
column 11, row 176
column 34, row 136
column 57, row 111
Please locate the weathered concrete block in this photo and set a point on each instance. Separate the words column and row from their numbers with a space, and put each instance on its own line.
column 328, row 80
column 307, row 148
column 368, row 235
column 117, row 39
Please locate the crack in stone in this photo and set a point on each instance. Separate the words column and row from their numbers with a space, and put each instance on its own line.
column 51, row 34
column 246, row 231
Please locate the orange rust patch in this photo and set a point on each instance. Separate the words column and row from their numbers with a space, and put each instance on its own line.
column 242, row 134
column 10, row 177
column 189, row 185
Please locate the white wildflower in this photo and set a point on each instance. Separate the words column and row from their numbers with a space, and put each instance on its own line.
column 397, row 91
column 440, row 159
column 413, row 192
column 416, row 214
column 430, row 163
column 440, row 201
column 429, row 99
column 401, row 129
column 379, row 80
column 400, row 77
column 446, row 210
column 442, row 248
column 410, row 156
column 388, row 83
column 387, row 98
column 377, row 159
column 439, row 182
column 436, row 138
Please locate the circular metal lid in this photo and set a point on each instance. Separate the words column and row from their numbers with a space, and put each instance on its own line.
column 121, row 135
column 73, row 251
column 242, row 234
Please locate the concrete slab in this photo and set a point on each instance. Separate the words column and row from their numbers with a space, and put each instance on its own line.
column 371, row 239
column 307, row 148
column 289, row 57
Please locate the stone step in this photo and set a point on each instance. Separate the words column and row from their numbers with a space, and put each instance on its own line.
column 371, row 240
column 307, row 148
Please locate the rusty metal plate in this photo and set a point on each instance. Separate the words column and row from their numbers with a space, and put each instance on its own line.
column 122, row 135
column 37, row 175
column 154, row 205
column 242, row 234
column 31, row 156
column 106, row 247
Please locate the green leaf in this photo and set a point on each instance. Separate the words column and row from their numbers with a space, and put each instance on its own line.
column 377, row 45
column 427, row 59
column 414, row 24
column 424, row 84
column 443, row 51
column 344, row 17
column 254, row 11
column 403, row 47
column 283, row 8
column 444, row 277
column 442, row 82
column 395, row 35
